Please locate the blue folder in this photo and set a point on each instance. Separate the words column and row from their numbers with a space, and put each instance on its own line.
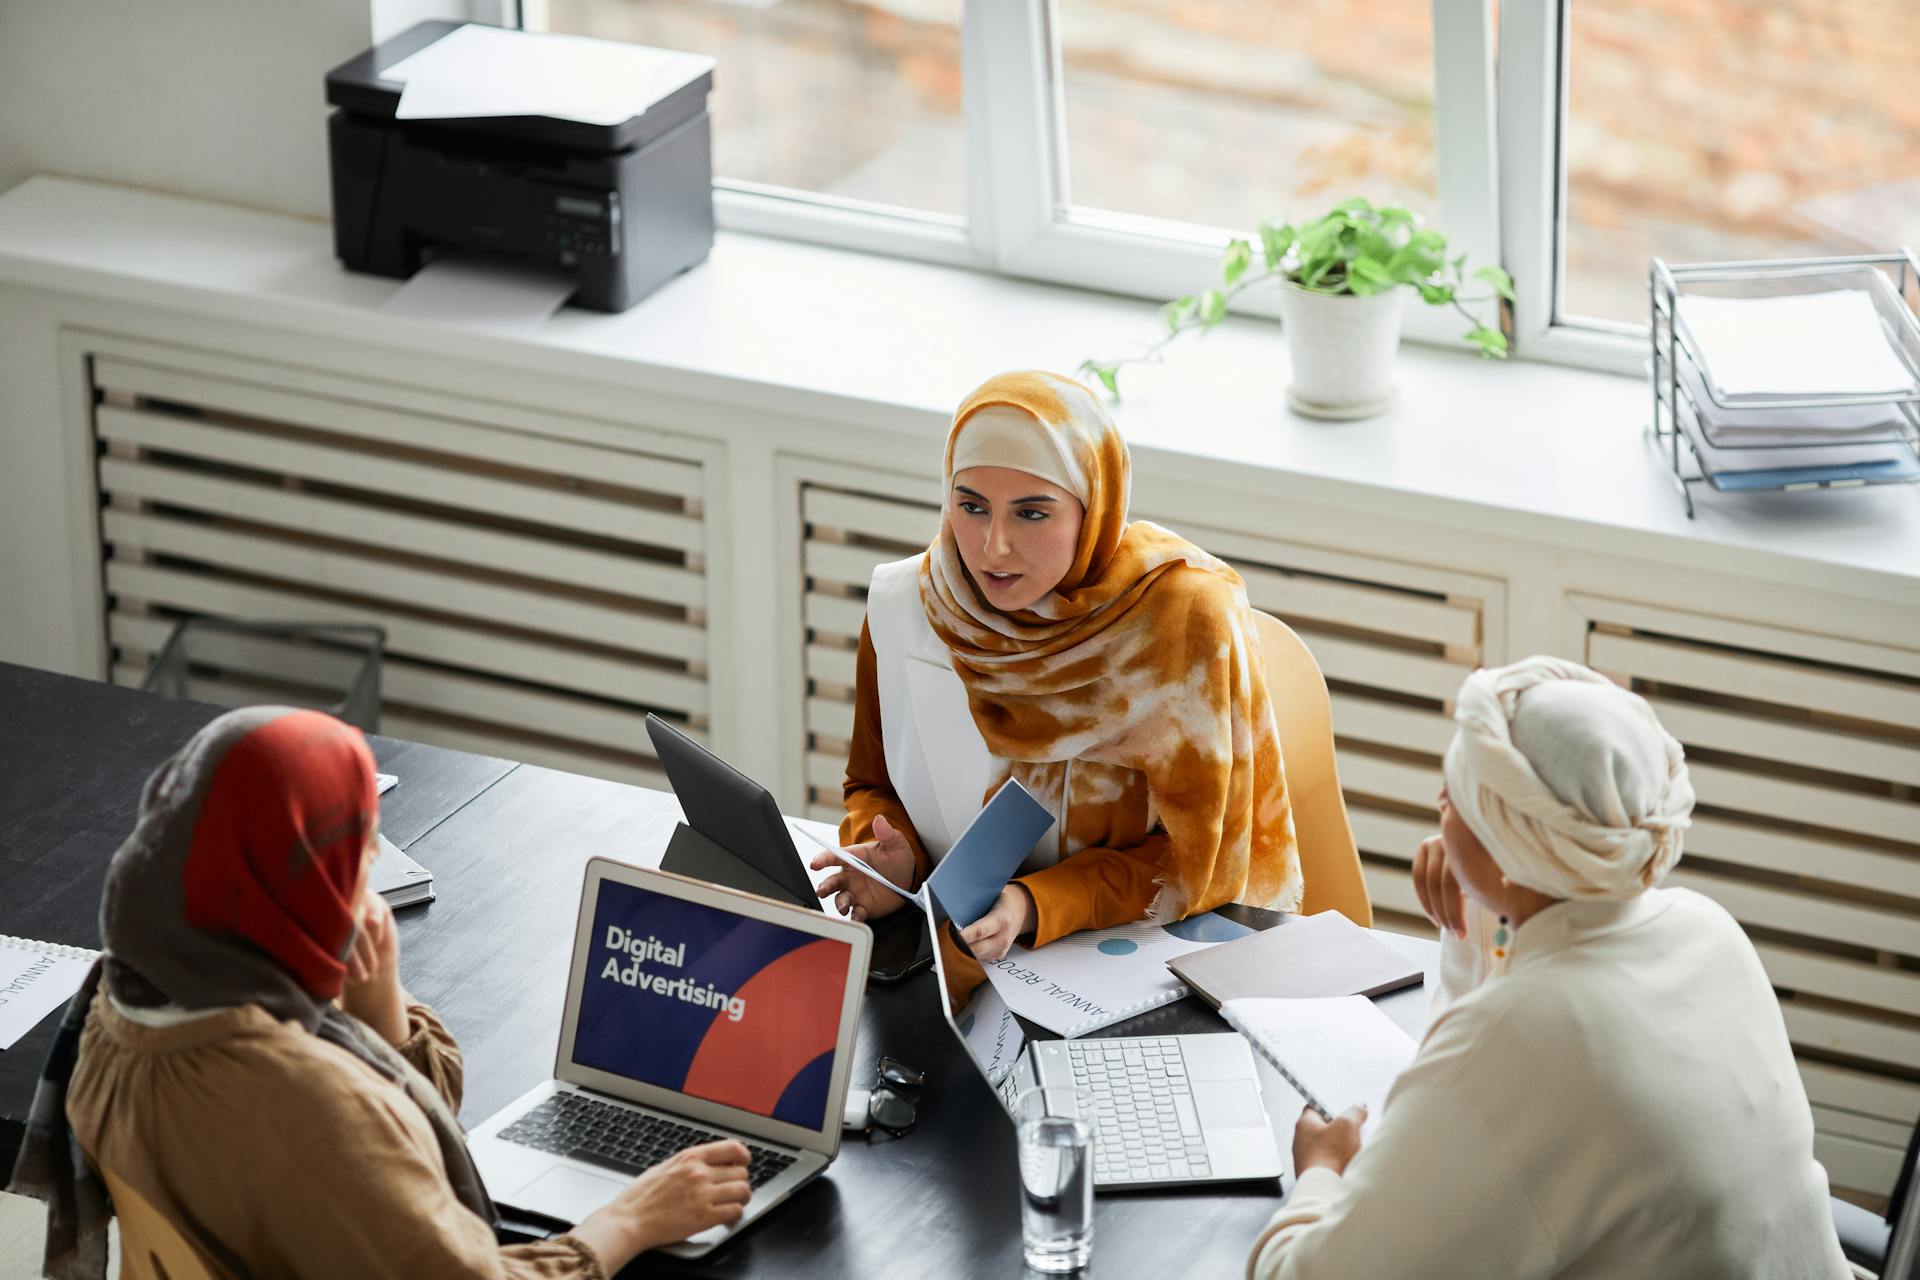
column 987, row 853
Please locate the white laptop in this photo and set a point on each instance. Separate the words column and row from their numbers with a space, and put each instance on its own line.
column 1168, row 1111
column 693, row 1013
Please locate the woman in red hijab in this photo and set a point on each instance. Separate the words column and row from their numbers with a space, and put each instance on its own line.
column 249, row 1063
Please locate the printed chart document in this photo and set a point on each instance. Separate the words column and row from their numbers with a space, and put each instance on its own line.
column 1338, row 1052
column 993, row 1037
column 35, row 979
column 981, row 861
column 1098, row 977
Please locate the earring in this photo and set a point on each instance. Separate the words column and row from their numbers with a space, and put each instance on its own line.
column 1503, row 932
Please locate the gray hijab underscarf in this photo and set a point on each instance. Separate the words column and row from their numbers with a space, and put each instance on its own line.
column 154, row 957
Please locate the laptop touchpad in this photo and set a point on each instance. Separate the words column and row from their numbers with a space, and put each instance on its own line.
column 1228, row 1104
column 566, row 1193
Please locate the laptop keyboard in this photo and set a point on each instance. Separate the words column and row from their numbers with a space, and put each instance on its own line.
column 1145, row 1125
column 584, row 1128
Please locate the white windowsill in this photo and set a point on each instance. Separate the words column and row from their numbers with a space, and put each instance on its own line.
column 1522, row 449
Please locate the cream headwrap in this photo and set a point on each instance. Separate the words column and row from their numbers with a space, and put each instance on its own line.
column 1001, row 435
column 1567, row 779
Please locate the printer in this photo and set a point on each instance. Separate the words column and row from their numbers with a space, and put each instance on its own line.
column 621, row 207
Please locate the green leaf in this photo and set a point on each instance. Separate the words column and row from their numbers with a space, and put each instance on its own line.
column 1213, row 308
column 1177, row 311
column 1109, row 375
column 1234, row 265
column 1393, row 216
column 1435, row 295
column 1492, row 342
column 1276, row 238
column 1367, row 276
column 1358, row 204
column 1498, row 280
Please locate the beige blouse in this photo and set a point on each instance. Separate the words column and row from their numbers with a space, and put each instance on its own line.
column 1623, row 1101
column 296, row 1157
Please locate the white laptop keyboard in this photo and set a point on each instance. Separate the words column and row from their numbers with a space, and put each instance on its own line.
column 1145, row 1125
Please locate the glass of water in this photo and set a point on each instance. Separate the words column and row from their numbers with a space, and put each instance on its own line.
column 1056, row 1178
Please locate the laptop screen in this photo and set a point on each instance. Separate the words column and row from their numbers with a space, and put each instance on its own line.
column 711, row 1004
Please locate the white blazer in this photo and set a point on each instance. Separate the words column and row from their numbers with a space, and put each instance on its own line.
column 938, row 762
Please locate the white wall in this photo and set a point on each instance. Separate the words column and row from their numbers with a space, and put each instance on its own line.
column 221, row 99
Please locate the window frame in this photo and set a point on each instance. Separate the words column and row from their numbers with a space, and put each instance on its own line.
column 1532, row 115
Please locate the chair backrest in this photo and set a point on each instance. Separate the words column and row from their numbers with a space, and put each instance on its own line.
column 1903, row 1216
column 151, row 1247
column 1329, row 860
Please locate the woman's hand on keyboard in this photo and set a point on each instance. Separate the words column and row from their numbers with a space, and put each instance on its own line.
column 681, row 1196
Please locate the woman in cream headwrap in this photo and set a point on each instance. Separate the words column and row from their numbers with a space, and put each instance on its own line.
column 1108, row 665
column 1617, row 1096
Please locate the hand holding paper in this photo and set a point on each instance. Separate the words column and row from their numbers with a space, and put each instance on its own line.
column 872, row 892
column 968, row 880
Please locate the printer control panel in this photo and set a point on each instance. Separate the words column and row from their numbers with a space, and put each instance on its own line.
column 583, row 223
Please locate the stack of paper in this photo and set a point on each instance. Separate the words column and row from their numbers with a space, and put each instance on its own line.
column 1807, row 344
column 398, row 878
column 1794, row 347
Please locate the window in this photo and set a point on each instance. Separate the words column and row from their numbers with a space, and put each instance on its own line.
column 1755, row 129
column 1226, row 113
column 1634, row 129
column 1117, row 144
column 855, row 102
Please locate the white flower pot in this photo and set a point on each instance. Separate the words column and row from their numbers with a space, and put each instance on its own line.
column 1342, row 346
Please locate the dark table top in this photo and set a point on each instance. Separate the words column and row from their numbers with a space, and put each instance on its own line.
column 507, row 845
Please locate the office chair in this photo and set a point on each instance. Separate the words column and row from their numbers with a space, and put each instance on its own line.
column 334, row 666
column 151, row 1247
column 1888, row 1247
column 1303, row 714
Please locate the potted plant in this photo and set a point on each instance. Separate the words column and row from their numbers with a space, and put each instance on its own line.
column 1343, row 280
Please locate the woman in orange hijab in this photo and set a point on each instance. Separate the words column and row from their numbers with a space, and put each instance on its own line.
column 1109, row 665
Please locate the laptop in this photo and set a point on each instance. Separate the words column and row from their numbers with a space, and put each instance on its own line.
column 693, row 1013
column 740, row 839
column 1168, row 1111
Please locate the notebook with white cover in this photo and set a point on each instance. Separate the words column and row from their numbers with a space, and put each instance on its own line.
column 398, row 878
column 1337, row 1051
column 35, row 979
column 1097, row 977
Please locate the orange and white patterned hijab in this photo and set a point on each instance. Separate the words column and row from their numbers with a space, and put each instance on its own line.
column 1142, row 664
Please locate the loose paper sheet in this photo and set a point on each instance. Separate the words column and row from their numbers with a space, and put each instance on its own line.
column 496, row 295
column 487, row 71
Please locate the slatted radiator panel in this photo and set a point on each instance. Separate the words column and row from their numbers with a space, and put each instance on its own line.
column 847, row 533
column 540, row 595
column 1805, row 756
column 1394, row 641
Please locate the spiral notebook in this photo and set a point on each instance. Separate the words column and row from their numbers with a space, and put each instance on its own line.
column 1097, row 977
column 1335, row 1051
column 35, row 979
